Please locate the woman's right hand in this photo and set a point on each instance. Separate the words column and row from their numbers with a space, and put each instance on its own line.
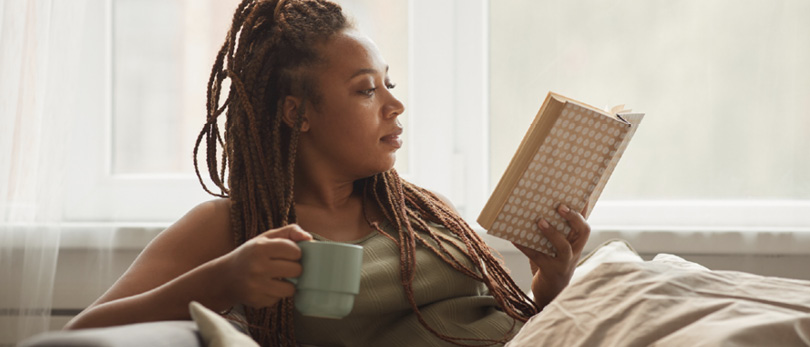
column 254, row 272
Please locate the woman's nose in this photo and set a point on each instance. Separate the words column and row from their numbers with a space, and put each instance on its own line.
column 395, row 107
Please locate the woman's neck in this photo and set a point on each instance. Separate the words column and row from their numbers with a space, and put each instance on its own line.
column 323, row 192
column 336, row 212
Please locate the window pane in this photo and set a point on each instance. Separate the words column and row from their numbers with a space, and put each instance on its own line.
column 162, row 56
column 724, row 83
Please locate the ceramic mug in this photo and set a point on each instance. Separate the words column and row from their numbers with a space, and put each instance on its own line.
column 329, row 280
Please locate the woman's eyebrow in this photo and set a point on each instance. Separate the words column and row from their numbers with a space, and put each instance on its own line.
column 365, row 71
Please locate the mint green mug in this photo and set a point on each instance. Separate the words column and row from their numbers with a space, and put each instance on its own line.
column 329, row 280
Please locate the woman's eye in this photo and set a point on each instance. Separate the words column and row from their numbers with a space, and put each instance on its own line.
column 372, row 91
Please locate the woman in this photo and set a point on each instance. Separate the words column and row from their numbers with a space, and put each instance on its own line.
column 309, row 147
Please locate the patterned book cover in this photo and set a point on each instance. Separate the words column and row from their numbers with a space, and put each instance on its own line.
column 566, row 157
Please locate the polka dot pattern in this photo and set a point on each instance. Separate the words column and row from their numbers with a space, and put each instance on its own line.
column 567, row 168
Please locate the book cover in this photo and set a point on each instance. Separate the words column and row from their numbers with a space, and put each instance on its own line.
column 566, row 156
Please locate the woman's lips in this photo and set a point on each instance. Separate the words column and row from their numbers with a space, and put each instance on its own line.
column 392, row 140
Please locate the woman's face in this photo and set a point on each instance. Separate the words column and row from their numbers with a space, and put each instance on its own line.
column 354, row 128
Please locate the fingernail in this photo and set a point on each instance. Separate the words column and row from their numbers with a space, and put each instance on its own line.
column 564, row 209
column 544, row 224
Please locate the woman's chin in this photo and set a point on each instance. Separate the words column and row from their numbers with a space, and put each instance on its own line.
column 391, row 163
column 383, row 167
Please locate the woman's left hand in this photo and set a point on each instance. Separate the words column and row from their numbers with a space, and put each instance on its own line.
column 552, row 274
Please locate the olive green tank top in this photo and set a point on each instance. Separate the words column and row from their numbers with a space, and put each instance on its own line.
column 450, row 302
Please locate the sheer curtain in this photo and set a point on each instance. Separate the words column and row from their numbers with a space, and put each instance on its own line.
column 41, row 45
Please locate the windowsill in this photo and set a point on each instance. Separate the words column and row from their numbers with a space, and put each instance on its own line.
column 85, row 235
column 694, row 240
column 126, row 237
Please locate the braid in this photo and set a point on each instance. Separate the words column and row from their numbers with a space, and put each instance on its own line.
column 267, row 55
column 268, row 44
column 411, row 208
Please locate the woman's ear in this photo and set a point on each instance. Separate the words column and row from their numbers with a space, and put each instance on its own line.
column 293, row 107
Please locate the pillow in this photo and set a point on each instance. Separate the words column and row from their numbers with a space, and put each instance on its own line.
column 675, row 260
column 611, row 251
column 217, row 331
column 152, row 334
column 672, row 302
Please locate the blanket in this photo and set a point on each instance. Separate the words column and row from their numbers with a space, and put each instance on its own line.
column 673, row 302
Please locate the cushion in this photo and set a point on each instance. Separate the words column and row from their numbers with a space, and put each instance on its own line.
column 217, row 331
column 611, row 251
column 166, row 333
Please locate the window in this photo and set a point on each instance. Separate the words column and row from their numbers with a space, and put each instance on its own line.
column 162, row 52
column 146, row 81
column 161, row 57
column 724, row 84
column 144, row 98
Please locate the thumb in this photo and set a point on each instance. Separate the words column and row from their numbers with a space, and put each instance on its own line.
column 536, row 258
column 291, row 232
column 530, row 253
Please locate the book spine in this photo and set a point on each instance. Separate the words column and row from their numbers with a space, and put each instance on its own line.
column 537, row 133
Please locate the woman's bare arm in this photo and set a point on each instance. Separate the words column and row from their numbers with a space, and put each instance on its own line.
column 176, row 267
column 196, row 259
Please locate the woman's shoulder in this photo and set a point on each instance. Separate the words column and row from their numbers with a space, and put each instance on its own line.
column 443, row 199
column 214, row 213
column 206, row 225
column 217, row 212
column 215, row 208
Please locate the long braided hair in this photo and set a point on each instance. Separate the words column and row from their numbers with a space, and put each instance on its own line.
column 267, row 55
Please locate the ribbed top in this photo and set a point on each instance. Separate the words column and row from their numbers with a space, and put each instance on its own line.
column 452, row 303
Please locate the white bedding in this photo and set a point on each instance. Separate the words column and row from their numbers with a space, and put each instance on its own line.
column 672, row 302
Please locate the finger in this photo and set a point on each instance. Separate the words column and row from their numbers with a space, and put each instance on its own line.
column 536, row 259
column 533, row 267
column 284, row 268
column 533, row 255
column 291, row 232
column 558, row 240
column 580, row 239
column 279, row 288
column 279, row 248
column 580, row 229
column 530, row 253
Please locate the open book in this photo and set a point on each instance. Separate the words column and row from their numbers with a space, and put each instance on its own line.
column 566, row 157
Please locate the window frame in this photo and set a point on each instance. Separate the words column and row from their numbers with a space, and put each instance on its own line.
column 95, row 193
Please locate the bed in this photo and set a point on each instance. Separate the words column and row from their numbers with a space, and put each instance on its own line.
column 614, row 299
